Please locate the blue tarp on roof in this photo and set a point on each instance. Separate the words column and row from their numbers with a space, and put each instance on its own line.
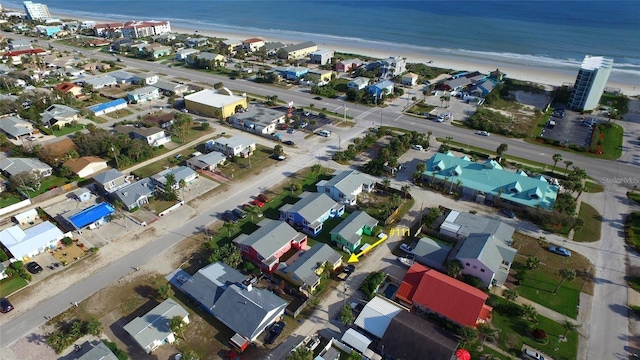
column 100, row 107
column 91, row 215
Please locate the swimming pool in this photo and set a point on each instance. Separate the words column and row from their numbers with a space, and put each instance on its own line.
column 390, row 290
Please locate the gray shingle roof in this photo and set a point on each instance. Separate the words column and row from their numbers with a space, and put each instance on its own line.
column 130, row 195
column 271, row 236
column 306, row 265
column 210, row 282
column 141, row 131
column 99, row 352
column 234, row 141
column 487, row 249
column 13, row 166
column 206, row 160
column 107, row 176
column 354, row 222
column 300, row 46
column 348, row 181
column 312, row 205
column 178, row 172
column 470, row 224
column 15, row 127
column 432, row 250
column 154, row 325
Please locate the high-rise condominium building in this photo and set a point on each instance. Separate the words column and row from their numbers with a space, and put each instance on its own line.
column 590, row 83
column 36, row 11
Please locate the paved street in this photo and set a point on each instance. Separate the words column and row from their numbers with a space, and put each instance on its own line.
column 607, row 333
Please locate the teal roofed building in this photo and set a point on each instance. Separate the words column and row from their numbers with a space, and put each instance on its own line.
column 490, row 180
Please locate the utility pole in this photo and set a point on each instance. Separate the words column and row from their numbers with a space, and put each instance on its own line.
column 115, row 155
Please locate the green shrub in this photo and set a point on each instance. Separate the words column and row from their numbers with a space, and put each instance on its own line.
column 371, row 283
column 18, row 265
column 67, row 241
column 3, row 256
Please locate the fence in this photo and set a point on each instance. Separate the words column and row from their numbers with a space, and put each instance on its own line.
column 14, row 207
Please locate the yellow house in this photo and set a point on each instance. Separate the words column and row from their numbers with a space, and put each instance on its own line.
column 214, row 104
column 300, row 50
column 306, row 267
column 319, row 75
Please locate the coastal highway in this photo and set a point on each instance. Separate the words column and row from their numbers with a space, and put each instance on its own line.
column 607, row 332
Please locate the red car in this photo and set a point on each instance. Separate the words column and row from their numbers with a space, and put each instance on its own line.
column 246, row 207
column 264, row 198
column 257, row 203
column 231, row 355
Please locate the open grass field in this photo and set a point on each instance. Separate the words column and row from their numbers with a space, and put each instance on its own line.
column 634, row 195
column 592, row 224
column 10, row 285
column 632, row 229
column 66, row 130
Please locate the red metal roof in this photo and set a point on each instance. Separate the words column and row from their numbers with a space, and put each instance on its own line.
column 451, row 298
column 24, row 52
column 410, row 282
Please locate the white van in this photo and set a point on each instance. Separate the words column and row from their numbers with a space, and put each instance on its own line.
column 325, row 133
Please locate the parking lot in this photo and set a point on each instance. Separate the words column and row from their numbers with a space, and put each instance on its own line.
column 570, row 129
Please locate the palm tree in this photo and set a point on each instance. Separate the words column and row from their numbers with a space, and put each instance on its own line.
column 510, row 294
column 176, row 325
column 164, row 291
column 567, row 163
column 454, row 268
column 501, row 150
column 253, row 211
column 230, row 225
column 346, row 315
column 556, row 158
column 94, row 326
column 530, row 312
column 485, row 330
column 565, row 274
column 568, row 327
column 316, row 169
column 533, row 262
column 405, row 189
column 386, row 183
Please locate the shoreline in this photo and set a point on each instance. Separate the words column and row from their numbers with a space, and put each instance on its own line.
column 553, row 74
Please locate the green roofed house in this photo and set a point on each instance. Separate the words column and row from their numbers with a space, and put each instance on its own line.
column 349, row 232
column 488, row 180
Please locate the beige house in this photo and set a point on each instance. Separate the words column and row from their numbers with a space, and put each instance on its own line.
column 86, row 166
column 409, row 79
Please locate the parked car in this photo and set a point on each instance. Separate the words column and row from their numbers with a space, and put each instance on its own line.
column 247, row 207
column 325, row 133
column 239, row 213
column 276, row 330
column 291, row 131
column 229, row 216
column 303, row 125
column 406, row 248
column 531, row 355
column 231, row 355
column 288, row 142
column 560, row 251
column 279, row 157
column 417, row 147
column 5, row 305
column 264, row 198
column 307, row 113
column 33, row 267
column 483, row 133
column 257, row 203
column 317, row 98
column 508, row 213
column 349, row 268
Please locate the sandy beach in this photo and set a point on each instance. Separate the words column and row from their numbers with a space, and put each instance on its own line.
column 521, row 70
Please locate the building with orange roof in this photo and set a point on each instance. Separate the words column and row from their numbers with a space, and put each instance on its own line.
column 67, row 87
column 252, row 44
column 429, row 290
column 86, row 166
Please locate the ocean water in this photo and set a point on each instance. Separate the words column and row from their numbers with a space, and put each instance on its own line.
column 549, row 34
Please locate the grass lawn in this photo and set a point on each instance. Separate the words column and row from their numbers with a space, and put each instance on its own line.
column 193, row 134
column 157, row 206
column 49, row 183
column 632, row 229
column 68, row 130
column 515, row 332
column 538, row 286
column 634, row 195
column 420, row 108
column 592, row 224
column 634, row 282
column 159, row 165
column 119, row 113
column 10, row 285
column 252, row 165
column 593, row 187
column 9, row 199
column 612, row 144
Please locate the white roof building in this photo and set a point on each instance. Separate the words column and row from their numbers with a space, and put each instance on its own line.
column 376, row 316
column 23, row 244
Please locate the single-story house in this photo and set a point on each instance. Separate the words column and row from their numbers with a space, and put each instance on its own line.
column 183, row 54
column 306, row 267
column 266, row 245
column 488, row 181
column 99, row 82
column 292, row 72
column 86, row 166
column 94, row 66
column 99, row 352
column 311, row 211
column 123, row 77
column 348, row 234
column 345, row 186
column 146, row 93
column 154, row 136
column 212, row 58
column 429, row 290
column 67, row 87
column 208, row 162
column 108, row 107
column 180, row 173
column 27, row 217
column 170, row 88
column 58, row 114
column 110, row 181
column 91, row 217
column 196, row 42
column 228, row 295
column 24, row 244
column 135, row 195
column 210, row 103
column 153, row 328
column 163, row 121
column 409, row 79
column 234, row 146
column 15, row 127
column 259, row 120
column 432, row 253
column 382, row 88
column 319, row 75
column 482, row 88
column 156, row 50
column 146, row 79
column 82, row 194
column 15, row 166
column 359, row 83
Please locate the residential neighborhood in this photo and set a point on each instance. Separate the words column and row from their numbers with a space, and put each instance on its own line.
column 182, row 196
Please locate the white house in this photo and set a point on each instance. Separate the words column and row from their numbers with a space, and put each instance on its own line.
column 24, row 244
column 259, row 120
column 86, row 166
column 359, row 83
column 233, row 146
column 153, row 329
column 154, row 136
column 345, row 186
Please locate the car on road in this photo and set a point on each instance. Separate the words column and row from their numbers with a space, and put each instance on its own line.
column 239, row 213
column 406, row 248
column 257, row 203
column 264, row 198
column 279, row 157
column 229, row 216
column 33, row 267
column 508, row 213
column 119, row 60
column 5, row 305
column 560, row 251
column 417, row 147
column 483, row 133
column 289, row 142
column 183, row 279
column 317, row 98
column 276, row 330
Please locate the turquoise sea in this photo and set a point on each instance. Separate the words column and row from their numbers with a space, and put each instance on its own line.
column 549, row 34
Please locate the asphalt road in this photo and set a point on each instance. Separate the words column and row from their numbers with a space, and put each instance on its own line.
column 608, row 330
